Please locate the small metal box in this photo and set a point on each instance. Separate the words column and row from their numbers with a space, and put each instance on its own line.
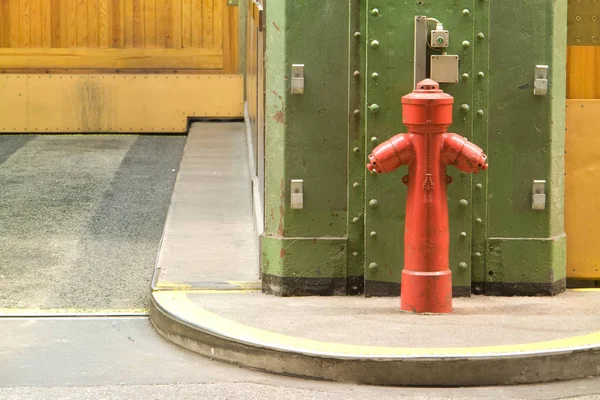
column 444, row 68
column 440, row 38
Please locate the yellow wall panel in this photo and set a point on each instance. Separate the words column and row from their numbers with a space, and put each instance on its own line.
column 115, row 103
column 582, row 191
column 583, row 74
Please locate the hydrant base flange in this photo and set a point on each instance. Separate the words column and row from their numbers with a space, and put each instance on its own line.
column 426, row 292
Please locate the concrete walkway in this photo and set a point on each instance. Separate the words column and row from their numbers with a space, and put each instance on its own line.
column 209, row 238
column 205, row 298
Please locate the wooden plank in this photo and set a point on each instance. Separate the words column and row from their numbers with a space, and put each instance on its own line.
column 196, row 22
column 46, row 26
column 25, row 23
column 55, row 22
column 150, row 23
column 128, row 24
column 583, row 72
column 64, row 23
column 225, row 41
column 162, row 11
column 93, row 20
column 582, row 168
column 138, row 23
column 5, row 24
column 14, row 23
column 104, row 27
column 82, row 23
column 72, row 23
column 234, row 39
column 160, row 103
column 36, row 23
column 153, row 59
column 176, row 28
column 116, row 16
column 208, row 23
column 186, row 23
column 220, row 14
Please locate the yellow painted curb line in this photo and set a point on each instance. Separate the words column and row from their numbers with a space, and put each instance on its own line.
column 180, row 306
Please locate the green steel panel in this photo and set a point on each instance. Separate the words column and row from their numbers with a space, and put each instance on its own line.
column 392, row 61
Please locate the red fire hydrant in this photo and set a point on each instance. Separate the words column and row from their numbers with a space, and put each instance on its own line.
column 427, row 149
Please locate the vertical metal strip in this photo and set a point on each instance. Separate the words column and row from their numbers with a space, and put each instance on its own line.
column 420, row 51
column 480, row 137
column 356, row 150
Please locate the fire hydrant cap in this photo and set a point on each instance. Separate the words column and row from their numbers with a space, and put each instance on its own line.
column 426, row 91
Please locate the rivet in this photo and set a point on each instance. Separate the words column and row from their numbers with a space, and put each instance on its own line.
column 357, row 34
column 465, row 108
column 462, row 266
column 480, row 35
column 478, row 220
column 374, row 108
column 356, row 150
column 355, row 220
column 465, row 77
column 480, row 113
column 480, row 74
column 373, row 172
column 479, row 186
column 357, row 73
column 465, row 43
column 373, row 203
column 465, row 12
column 355, row 253
column 463, row 203
column 374, row 12
column 374, row 44
column 477, row 254
column 357, row 112
column 463, row 235
column 373, row 234
column 374, row 75
column 373, row 266
column 578, row 18
column 374, row 139
column 355, row 185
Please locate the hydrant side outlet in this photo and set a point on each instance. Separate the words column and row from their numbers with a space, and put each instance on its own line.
column 427, row 149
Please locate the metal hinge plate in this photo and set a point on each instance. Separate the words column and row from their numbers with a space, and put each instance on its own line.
column 297, row 196
column 540, row 85
column 538, row 201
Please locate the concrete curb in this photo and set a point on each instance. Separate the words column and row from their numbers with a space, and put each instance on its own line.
column 217, row 337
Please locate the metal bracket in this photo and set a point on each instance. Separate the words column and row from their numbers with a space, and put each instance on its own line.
column 297, row 196
column 297, row 78
column 420, row 54
column 538, row 200
column 540, row 85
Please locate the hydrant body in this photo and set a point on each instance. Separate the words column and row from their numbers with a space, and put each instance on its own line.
column 427, row 149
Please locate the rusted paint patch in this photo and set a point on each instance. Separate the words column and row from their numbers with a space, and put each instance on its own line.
column 282, row 253
column 281, row 230
column 279, row 117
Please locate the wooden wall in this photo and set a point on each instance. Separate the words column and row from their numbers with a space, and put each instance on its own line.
column 118, row 34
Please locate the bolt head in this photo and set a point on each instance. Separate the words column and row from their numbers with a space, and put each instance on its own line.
column 374, row 108
column 480, row 74
column 463, row 266
column 373, row 234
column 373, row 203
column 356, row 150
column 465, row 108
column 355, row 185
column 466, row 12
column 463, row 203
column 480, row 113
column 355, row 254
column 373, row 266
column 479, row 186
column 357, row 112
column 355, row 220
column 374, row 75
column 478, row 220
column 374, row 12
column 357, row 73
column 465, row 43
column 374, row 44
column 463, row 235
column 480, row 35
column 374, row 139
column 357, row 34
column 465, row 77
column 477, row 254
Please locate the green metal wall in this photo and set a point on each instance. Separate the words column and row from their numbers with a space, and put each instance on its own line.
column 349, row 236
